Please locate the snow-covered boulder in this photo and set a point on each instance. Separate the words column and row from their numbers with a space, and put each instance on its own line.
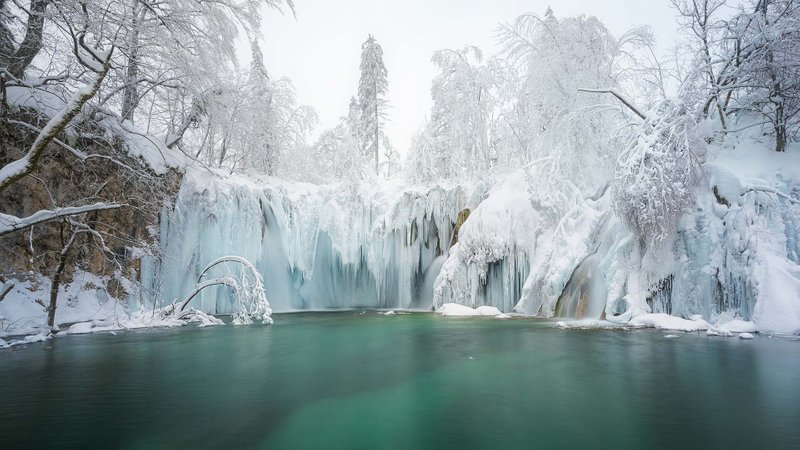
column 667, row 322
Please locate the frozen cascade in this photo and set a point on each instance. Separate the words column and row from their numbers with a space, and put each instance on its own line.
column 426, row 292
column 316, row 247
column 735, row 254
column 584, row 296
column 539, row 252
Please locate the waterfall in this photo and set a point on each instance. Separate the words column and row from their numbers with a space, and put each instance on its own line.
column 316, row 247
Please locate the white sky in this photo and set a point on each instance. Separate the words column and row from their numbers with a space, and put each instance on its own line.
column 320, row 51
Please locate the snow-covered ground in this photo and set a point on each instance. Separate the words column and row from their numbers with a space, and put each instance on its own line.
column 83, row 307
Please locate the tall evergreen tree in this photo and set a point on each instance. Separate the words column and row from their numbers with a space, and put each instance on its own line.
column 372, row 88
column 354, row 121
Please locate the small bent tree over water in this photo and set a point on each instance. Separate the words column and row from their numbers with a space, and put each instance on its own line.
column 245, row 283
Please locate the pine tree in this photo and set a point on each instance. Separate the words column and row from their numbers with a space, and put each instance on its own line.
column 371, row 90
column 354, row 121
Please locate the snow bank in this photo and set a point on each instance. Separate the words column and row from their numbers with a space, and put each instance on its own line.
column 84, row 305
column 456, row 310
column 737, row 326
column 667, row 322
column 151, row 150
column 588, row 324
column 81, row 300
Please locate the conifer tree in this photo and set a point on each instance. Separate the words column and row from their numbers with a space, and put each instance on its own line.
column 372, row 88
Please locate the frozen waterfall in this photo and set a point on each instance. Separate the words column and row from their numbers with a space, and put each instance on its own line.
column 316, row 247
column 387, row 245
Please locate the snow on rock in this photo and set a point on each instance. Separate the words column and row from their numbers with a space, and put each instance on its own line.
column 746, row 336
column 83, row 304
column 490, row 261
column 502, row 316
column 30, row 339
column 588, row 324
column 737, row 326
column 488, row 311
column 456, row 310
column 389, row 313
column 81, row 300
column 79, row 328
column 667, row 322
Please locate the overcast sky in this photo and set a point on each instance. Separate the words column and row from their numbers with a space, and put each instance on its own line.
column 320, row 50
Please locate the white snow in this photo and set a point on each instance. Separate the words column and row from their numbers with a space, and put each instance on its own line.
column 457, row 310
column 746, row 336
column 589, row 324
column 737, row 326
column 667, row 322
column 83, row 304
column 488, row 311
column 79, row 301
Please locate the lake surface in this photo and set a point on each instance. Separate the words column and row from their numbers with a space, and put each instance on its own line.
column 364, row 381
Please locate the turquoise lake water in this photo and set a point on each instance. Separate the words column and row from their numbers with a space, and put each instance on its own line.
column 364, row 381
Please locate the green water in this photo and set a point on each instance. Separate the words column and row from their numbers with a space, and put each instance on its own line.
column 349, row 381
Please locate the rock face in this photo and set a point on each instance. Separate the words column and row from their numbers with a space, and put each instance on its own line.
column 463, row 215
column 62, row 179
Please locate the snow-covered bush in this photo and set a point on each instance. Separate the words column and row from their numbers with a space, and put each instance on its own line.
column 658, row 172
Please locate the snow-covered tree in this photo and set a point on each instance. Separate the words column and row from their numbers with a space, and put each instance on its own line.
column 557, row 58
column 744, row 64
column 354, row 121
column 527, row 106
column 461, row 116
column 770, row 75
column 372, row 87
column 658, row 172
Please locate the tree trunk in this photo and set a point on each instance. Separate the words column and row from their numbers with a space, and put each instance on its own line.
column 780, row 137
column 56, row 279
column 377, row 129
column 130, row 98
column 19, row 60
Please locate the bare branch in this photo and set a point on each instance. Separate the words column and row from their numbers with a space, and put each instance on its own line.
column 621, row 98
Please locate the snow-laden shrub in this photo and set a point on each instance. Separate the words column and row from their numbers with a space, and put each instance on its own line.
column 658, row 171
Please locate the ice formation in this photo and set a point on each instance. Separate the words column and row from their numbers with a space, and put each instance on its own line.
column 372, row 245
column 530, row 245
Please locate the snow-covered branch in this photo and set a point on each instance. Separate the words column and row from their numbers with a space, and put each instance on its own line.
column 771, row 190
column 10, row 224
column 230, row 282
column 619, row 96
column 15, row 170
